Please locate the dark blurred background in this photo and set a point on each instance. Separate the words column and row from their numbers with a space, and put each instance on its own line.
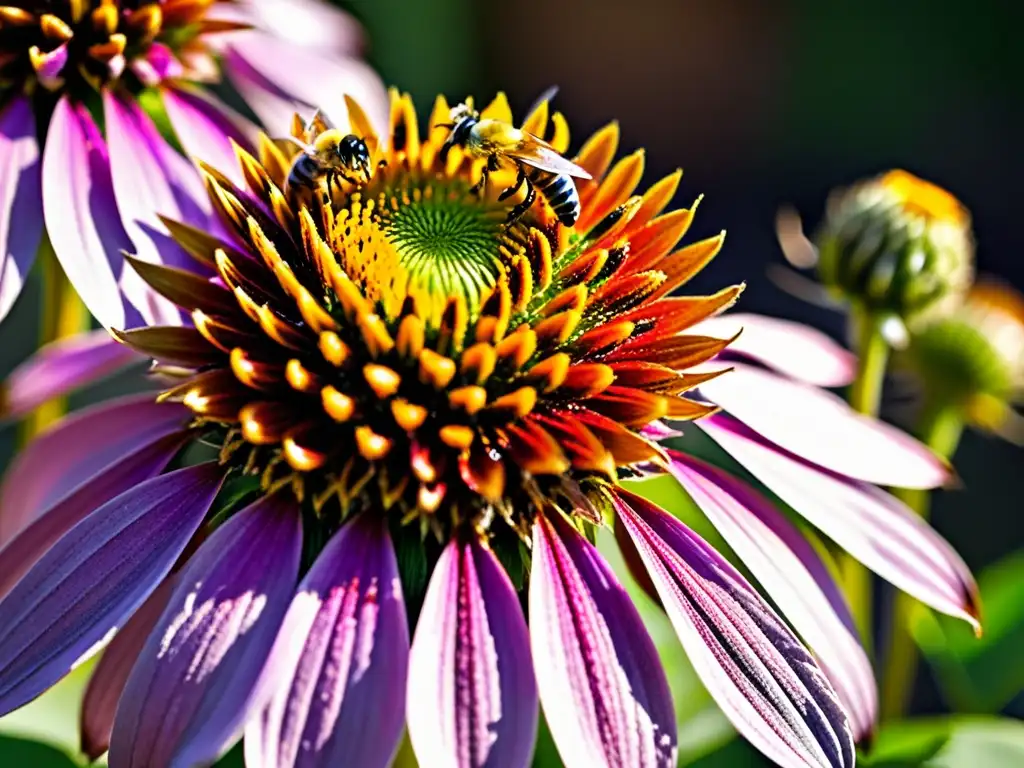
column 762, row 104
column 765, row 104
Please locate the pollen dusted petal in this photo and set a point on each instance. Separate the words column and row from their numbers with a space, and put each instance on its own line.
column 653, row 242
column 615, row 189
column 654, row 201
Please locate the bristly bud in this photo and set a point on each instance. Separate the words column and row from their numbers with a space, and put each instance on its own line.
column 973, row 359
column 896, row 245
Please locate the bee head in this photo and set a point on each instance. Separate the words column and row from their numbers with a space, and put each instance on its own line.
column 354, row 154
column 463, row 118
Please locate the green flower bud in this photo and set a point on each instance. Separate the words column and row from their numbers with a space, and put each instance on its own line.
column 897, row 246
column 973, row 359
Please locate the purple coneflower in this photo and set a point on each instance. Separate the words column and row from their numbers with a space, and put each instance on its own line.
column 396, row 417
column 64, row 65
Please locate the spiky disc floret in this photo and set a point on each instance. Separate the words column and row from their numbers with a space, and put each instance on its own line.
column 392, row 345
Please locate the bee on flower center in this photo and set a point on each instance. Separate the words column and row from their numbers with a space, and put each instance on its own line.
column 327, row 154
column 539, row 166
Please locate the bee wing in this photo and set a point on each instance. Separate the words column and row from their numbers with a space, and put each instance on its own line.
column 540, row 154
column 317, row 124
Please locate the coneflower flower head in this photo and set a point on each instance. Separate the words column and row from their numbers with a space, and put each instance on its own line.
column 420, row 410
column 897, row 245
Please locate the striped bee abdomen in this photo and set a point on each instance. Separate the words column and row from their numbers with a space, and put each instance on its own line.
column 304, row 173
column 560, row 191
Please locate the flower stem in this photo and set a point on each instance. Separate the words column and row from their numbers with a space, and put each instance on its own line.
column 865, row 397
column 62, row 314
column 939, row 427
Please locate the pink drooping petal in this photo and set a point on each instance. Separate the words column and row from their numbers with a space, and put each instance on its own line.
column 92, row 580
column 81, row 213
column 340, row 660
column 61, row 367
column 820, row 427
column 99, row 703
column 792, row 573
column 873, row 526
column 76, row 448
column 151, row 179
column 764, row 680
column 198, row 677
column 21, row 219
column 604, row 692
column 472, row 698
column 33, row 541
column 206, row 128
column 305, row 80
column 793, row 349
column 310, row 24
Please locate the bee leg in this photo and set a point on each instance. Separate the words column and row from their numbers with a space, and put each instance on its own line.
column 517, row 213
column 520, row 178
column 479, row 188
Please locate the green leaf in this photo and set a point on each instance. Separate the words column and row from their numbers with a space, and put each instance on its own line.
column 736, row 753
column 949, row 742
column 19, row 751
column 980, row 674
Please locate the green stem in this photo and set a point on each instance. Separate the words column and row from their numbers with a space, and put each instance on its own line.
column 62, row 314
column 865, row 396
column 939, row 427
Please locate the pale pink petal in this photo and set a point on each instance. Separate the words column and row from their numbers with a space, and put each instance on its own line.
column 206, row 128
column 81, row 213
column 21, row 220
column 92, row 580
column 794, row 349
column 33, row 541
column 339, row 663
column 873, row 526
column 197, row 679
column 308, row 79
column 763, row 679
column 310, row 24
column 99, row 703
column 151, row 179
column 270, row 104
column 604, row 692
column 820, row 427
column 158, row 64
column 61, row 367
column 76, row 448
column 472, row 695
column 792, row 573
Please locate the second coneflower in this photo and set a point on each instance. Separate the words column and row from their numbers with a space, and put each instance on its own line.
column 417, row 412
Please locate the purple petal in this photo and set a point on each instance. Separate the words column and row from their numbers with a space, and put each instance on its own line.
column 197, row 678
column 764, row 680
column 472, row 694
column 81, row 213
column 793, row 349
column 297, row 76
column 111, row 673
column 50, row 65
column 604, row 692
column 873, row 526
column 340, row 661
column 205, row 128
column 158, row 64
column 62, row 367
column 21, row 222
column 78, row 447
column 92, row 580
column 151, row 179
column 794, row 576
column 32, row 542
column 820, row 427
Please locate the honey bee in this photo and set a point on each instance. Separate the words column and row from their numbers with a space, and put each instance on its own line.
column 329, row 154
column 540, row 167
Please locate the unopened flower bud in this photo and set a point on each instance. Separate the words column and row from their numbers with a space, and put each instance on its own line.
column 896, row 245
